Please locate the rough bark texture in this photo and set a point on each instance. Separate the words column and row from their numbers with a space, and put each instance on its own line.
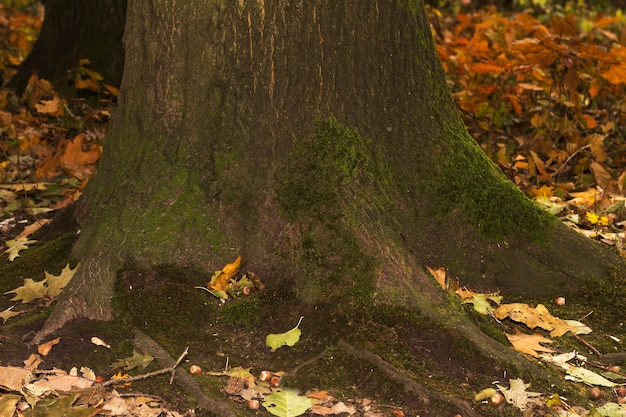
column 215, row 151
column 73, row 30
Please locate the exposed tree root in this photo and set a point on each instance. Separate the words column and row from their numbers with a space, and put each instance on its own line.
column 183, row 379
column 424, row 394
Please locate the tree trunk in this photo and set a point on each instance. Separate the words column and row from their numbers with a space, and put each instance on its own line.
column 319, row 140
column 73, row 30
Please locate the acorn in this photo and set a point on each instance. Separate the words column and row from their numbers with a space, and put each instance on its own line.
column 559, row 301
column 100, row 379
column 595, row 393
column 497, row 398
column 253, row 404
column 265, row 376
column 275, row 382
column 195, row 370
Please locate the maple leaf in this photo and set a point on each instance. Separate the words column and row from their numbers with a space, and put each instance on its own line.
column 7, row 314
column 529, row 343
column 15, row 246
column 30, row 291
column 56, row 283
column 49, row 287
column 517, row 395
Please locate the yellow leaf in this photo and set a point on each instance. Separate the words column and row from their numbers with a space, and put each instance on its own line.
column 528, row 343
column 14, row 247
column 52, row 107
column 534, row 317
column 7, row 314
column 31, row 290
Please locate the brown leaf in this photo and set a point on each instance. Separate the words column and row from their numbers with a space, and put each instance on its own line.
column 601, row 175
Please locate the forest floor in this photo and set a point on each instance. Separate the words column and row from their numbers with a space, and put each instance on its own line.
column 542, row 92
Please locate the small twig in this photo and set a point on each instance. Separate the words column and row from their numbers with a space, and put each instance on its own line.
column 120, row 381
column 564, row 164
column 181, row 357
column 584, row 342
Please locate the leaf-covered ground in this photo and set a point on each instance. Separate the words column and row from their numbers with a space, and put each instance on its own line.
column 542, row 92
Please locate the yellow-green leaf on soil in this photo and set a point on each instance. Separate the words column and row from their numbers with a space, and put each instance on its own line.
column 14, row 247
column 481, row 302
column 8, row 403
column 137, row 360
column 289, row 338
column 62, row 407
column 484, row 394
column 580, row 327
column 609, row 410
column 590, row 377
column 286, row 403
column 528, row 343
column 237, row 372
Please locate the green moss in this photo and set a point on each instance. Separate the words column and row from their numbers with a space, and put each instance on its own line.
column 332, row 260
column 312, row 183
column 246, row 312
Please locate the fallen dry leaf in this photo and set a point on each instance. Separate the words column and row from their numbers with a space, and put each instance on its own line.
column 529, row 343
column 440, row 275
column 45, row 348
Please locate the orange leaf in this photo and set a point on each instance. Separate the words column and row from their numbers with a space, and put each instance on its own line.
column 529, row 343
column 439, row 275
column 223, row 279
column 45, row 348
column 76, row 160
column 590, row 121
column 483, row 68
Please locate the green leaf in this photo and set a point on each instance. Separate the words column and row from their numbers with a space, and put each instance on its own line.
column 286, row 403
column 289, row 338
column 590, row 377
column 137, row 360
column 609, row 410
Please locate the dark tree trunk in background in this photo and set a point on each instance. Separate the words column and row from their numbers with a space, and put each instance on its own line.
column 319, row 140
column 73, row 30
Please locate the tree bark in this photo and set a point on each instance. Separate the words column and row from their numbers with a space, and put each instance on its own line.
column 73, row 30
column 319, row 140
